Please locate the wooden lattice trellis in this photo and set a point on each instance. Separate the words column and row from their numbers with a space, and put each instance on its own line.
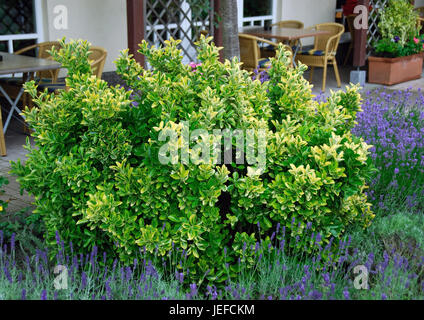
column 179, row 19
column 16, row 17
column 373, row 33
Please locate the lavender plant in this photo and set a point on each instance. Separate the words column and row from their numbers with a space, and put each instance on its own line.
column 393, row 122
column 277, row 275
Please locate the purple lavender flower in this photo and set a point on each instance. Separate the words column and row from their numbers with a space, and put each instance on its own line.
column 346, row 293
column 315, row 295
column 108, row 289
column 193, row 290
column 244, row 247
column 392, row 123
column 23, row 294
column 7, row 274
column 83, row 280
column 58, row 238
column 12, row 242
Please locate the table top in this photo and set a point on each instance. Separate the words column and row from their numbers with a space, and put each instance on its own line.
column 13, row 63
column 282, row 33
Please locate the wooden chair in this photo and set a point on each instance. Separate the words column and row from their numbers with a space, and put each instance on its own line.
column 420, row 11
column 250, row 53
column 293, row 24
column 420, row 22
column 97, row 60
column 420, row 25
column 350, row 19
column 204, row 32
column 324, row 51
column 42, row 53
column 13, row 84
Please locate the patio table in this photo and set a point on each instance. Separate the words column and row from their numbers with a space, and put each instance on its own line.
column 283, row 34
column 28, row 66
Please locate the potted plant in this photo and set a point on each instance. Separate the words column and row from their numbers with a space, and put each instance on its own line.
column 398, row 56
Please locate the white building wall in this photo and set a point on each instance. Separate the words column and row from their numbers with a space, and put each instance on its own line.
column 104, row 22
column 419, row 3
column 101, row 22
column 310, row 12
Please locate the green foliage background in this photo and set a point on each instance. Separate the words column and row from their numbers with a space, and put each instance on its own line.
column 398, row 18
column 399, row 30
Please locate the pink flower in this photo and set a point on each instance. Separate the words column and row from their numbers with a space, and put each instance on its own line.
column 416, row 40
column 194, row 65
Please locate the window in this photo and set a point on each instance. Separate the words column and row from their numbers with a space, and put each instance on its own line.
column 17, row 17
column 255, row 13
column 254, row 8
column 18, row 27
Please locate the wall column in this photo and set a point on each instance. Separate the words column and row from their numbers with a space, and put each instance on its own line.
column 360, row 45
column 135, row 27
column 217, row 27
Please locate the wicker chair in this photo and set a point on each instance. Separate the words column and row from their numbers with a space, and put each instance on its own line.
column 97, row 59
column 250, row 53
column 295, row 24
column 269, row 51
column 350, row 19
column 13, row 84
column 324, row 51
column 42, row 52
column 421, row 25
column 204, row 32
column 420, row 11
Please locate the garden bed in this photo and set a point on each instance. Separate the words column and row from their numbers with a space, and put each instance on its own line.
column 392, row 121
column 115, row 214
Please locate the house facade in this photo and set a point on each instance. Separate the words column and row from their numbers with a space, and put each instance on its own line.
column 104, row 22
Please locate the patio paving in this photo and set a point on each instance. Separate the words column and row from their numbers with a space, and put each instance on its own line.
column 414, row 85
column 15, row 137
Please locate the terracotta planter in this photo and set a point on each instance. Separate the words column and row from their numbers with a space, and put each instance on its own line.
column 390, row 71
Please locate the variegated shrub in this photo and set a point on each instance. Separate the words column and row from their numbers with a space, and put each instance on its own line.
column 97, row 178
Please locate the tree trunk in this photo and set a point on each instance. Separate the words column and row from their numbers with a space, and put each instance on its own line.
column 229, row 24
